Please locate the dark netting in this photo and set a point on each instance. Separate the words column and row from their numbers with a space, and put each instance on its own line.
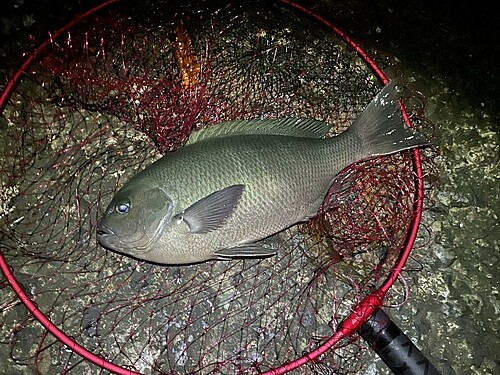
column 108, row 99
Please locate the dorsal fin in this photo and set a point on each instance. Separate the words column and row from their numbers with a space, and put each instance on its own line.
column 292, row 126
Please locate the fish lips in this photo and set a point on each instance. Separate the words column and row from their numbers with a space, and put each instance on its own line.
column 111, row 241
column 108, row 239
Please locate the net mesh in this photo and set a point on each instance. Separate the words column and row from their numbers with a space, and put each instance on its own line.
column 111, row 97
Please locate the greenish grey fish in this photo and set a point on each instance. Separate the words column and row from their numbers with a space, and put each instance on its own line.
column 238, row 182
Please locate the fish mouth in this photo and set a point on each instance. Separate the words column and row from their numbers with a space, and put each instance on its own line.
column 108, row 239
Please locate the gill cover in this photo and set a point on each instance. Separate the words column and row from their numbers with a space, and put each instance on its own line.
column 135, row 219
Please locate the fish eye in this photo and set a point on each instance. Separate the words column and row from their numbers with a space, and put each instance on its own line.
column 122, row 207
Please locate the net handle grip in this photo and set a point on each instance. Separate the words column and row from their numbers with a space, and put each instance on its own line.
column 394, row 347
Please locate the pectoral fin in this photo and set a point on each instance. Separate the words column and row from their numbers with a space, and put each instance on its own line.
column 245, row 251
column 210, row 213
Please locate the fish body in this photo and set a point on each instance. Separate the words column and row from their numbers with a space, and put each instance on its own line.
column 236, row 183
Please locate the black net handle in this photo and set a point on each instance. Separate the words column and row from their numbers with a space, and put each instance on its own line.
column 394, row 347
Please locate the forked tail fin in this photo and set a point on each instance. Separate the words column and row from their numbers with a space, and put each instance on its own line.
column 381, row 128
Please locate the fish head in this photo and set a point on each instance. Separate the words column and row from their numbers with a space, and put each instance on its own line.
column 134, row 220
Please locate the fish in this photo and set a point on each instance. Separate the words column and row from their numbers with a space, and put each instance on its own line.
column 238, row 182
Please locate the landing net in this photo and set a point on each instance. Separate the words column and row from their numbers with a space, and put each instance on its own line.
column 111, row 94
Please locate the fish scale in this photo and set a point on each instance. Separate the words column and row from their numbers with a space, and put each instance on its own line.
column 284, row 180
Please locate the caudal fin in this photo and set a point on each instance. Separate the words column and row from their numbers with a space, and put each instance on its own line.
column 381, row 127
